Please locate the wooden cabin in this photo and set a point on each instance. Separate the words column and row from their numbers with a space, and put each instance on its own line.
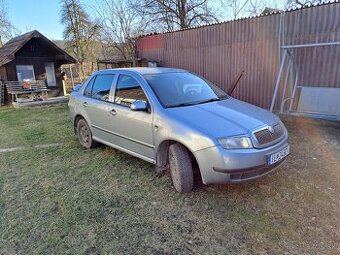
column 32, row 58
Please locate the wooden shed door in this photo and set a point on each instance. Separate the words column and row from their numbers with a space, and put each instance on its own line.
column 50, row 74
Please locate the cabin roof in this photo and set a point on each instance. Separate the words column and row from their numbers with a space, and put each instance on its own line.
column 7, row 52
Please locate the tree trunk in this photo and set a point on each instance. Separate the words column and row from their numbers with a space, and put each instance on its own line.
column 81, row 70
column 182, row 13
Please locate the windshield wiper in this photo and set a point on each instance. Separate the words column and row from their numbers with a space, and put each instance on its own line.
column 195, row 103
column 199, row 102
column 209, row 100
column 181, row 104
column 223, row 97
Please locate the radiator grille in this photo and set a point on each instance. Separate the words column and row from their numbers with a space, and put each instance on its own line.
column 264, row 136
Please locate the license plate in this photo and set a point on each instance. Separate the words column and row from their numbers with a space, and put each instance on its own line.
column 272, row 159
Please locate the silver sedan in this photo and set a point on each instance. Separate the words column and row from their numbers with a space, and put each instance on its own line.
column 178, row 121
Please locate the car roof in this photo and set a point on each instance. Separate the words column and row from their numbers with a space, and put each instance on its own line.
column 144, row 70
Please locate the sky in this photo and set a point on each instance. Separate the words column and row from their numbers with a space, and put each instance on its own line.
column 42, row 15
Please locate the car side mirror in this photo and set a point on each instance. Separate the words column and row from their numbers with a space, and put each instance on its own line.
column 139, row 105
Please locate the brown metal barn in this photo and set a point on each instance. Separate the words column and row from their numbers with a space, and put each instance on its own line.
column 254, row 45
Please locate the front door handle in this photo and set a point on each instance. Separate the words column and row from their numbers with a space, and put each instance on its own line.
column 113, row 112
column 85, row 104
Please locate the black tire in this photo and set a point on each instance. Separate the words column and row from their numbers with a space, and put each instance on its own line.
column 84, row 134
column 181, row 168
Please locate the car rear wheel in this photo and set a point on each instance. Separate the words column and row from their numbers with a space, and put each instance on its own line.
column 85, row 135
column 181, row 168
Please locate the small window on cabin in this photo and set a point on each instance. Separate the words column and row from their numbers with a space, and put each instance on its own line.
column 25, row 73
column 102, row 86
column 128, row 90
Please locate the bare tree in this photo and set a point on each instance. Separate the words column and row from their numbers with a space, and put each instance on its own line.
column 237, row 7
column 79, row 31
column 256, row 7
column 174, row 14
column 6, row 28
column 302, row 3
column 120, row 25
column 233, row 8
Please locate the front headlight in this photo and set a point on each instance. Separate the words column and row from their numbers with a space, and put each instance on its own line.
column 236, row 142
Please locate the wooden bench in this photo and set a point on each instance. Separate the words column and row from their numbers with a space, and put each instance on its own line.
column 16, row 88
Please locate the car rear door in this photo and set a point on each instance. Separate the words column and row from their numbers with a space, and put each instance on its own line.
column 97, row 103
column 133, row 129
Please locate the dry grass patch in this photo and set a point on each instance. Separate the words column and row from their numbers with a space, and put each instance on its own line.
column 65, row 199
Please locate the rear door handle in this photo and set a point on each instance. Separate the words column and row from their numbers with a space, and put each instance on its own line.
column 85, row 104
column 113, row 112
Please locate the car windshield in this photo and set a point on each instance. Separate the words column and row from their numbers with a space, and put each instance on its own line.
column 183, row 88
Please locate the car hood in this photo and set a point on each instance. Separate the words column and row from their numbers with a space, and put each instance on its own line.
column 223, row 118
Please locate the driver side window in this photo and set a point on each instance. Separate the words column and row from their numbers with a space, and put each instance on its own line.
column 128, row 91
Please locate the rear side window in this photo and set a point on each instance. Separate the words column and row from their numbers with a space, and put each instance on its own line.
column 88, row 89
column 128, row 90
column 100, row 87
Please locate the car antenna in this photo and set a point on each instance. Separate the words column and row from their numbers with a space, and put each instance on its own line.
column 235, row 82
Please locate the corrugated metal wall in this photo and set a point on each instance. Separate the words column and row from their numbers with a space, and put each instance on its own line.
column 219, row 52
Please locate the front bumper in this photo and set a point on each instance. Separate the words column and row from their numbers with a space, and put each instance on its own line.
column 218, row 165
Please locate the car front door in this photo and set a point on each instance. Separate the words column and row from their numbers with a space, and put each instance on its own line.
column 133, row 129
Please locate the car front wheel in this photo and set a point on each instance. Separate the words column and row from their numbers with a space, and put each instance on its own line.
column 181, row 168
column 84, row 134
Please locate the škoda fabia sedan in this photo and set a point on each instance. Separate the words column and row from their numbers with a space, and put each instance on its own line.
column 178, row 121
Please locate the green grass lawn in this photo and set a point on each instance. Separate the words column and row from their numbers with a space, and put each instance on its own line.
column 68, row 200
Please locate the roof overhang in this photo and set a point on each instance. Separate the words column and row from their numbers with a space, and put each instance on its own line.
column 8, row 51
